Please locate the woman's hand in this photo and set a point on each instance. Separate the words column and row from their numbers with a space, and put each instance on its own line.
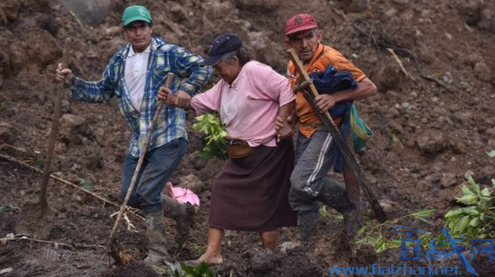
column 284, row 127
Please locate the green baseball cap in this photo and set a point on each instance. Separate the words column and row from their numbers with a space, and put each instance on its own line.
column 135, row 13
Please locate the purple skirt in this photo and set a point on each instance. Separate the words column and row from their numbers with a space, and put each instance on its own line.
column 252, row 193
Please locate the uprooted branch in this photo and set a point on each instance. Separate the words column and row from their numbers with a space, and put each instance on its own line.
column 382, row 41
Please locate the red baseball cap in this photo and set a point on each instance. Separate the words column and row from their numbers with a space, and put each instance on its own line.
column 300, row 22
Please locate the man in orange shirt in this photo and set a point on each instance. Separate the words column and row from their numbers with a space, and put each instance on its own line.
column 315, row 148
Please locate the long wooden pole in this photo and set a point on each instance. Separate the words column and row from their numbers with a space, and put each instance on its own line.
column 53, row 130
column 111, row 238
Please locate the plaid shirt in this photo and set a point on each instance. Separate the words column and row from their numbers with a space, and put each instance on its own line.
column 164, row 58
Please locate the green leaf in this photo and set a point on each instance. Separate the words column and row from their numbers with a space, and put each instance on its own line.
column 491, row 154
column 361, row 231
column 396, row 243
column 211, row 125
column 451, row 225
column 382, row 247
column 454, row 214
column 471, row 210
column 474, row 222
column 474, row 186
column 204, row 155
column 468, row 199
column 424, row 213
column 466, row 190
column 366, row 218
column 482, row 204
column 485, row 192
column 462, row 224
column 201, row 270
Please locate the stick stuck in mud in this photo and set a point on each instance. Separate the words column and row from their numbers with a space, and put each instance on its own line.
column 37, row 217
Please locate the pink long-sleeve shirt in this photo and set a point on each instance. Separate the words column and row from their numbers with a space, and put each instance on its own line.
column 249, row 106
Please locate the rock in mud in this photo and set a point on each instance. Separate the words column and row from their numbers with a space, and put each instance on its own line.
column 261, row 6
column 74, row 129
column 12, row 150
column 483, row 72
column 6, row 135
column 355, row 6
column 263, row 262
column 448, row 180
column 387, row 75
column 93, row 158
column 193, row 183
column 431, row 142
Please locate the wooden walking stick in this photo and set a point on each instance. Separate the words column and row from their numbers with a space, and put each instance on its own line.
column 310, row 92
column 37, row 217
column 114, row 250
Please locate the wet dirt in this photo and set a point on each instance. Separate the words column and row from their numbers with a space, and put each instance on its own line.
column 427, row 135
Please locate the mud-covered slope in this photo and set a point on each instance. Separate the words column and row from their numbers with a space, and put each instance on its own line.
column 425, row 135
column 432, row 118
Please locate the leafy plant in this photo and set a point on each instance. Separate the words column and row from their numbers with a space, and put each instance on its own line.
column 201, row 270
column 475, row 219
column 210, row 125
column 377, row 235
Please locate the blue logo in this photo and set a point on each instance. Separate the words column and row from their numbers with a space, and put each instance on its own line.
column 478, row 246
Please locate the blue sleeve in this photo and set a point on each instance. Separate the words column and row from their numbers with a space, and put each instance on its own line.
column 189, row 66
column 93, row 91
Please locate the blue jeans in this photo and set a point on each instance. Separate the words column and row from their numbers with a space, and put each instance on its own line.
column 314, row 158
column 157, row 168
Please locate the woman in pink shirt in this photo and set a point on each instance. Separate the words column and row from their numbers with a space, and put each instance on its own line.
column 251, row 192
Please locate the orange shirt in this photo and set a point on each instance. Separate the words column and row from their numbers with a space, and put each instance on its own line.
column 324, row 56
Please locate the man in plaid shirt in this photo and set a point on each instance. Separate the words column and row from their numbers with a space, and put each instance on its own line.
column 134, row 75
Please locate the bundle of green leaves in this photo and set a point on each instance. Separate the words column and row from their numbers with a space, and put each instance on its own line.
column 215, row 133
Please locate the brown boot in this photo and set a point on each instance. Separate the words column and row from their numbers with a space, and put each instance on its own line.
column 156, row 232
column 183, row 214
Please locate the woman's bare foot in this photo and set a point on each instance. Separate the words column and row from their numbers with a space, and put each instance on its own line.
column 211, row 259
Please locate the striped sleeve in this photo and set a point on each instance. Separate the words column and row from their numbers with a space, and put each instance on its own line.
column 189, row 66
column 93, row 91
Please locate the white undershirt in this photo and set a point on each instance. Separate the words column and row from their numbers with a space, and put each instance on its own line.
column 135, row 75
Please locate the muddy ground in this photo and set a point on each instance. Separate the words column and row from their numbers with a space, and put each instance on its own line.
column 431, row 127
